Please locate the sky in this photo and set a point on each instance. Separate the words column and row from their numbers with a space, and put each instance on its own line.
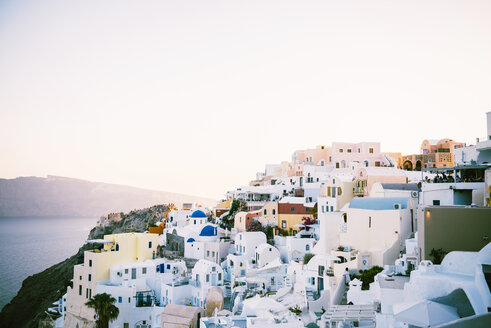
column 196, row 97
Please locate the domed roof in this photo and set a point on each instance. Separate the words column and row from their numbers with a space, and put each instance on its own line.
column 191, row 240
column 208, row 231
column 198, row 214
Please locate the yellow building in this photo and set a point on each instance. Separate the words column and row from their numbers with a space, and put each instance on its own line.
column 291, row 211
column 269, row 214
column 336, row 192
column 117, row 249
column 223, row 207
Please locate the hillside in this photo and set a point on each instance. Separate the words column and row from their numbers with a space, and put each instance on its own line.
column 39, row 291
column 59, row 196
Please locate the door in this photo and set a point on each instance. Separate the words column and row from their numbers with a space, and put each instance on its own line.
column 133, row 273
column 162, row 268
column 213, row 279
column 320, row 285
column 365, row 262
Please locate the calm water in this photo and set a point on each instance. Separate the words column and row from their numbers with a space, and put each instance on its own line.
column 29, row 245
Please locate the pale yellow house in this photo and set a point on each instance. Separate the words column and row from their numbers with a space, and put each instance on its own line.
column 336, row 192
column 117, row 249
column 269, row 214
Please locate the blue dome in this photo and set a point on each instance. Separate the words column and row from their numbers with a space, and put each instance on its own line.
column 198, row 214
column 208, row 231
column 191, row 240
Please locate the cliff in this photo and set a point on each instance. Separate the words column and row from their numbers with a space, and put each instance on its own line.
column 59, row 196
column 39, row 291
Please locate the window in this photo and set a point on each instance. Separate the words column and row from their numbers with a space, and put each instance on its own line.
column 207, row 253
column 129, row 299
column 337, row 165
column 265, row 212
column 144, row 270
column 120, row 299
column 90, row 277
column 283, row 224
column 194, row 221
column 307, row 247
column 370, row 150
column 321, row 270
column 328, row 191
column 80, row 290
column 436, row 202
column 126, row 325
column 332, row 209
column 213, row 254
column 207, row 278
column 307, row 209
column 90, row 263
column 214, row 268
column 369, row 221
column 339, row 191
column 219, row 276
column 322, row 208
column 349, row 150
column 125, row 271
column 149, row 244
column 274, row 211
column 340, row 150
column 292, row 209
column 80, row 277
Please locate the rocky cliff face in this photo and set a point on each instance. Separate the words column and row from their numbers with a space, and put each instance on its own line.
column 39, row 291
column 58, row 196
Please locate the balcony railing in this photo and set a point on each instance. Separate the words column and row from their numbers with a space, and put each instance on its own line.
column 195, row 283
column 357, row 191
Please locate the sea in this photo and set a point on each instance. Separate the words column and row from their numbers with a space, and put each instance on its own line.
column 29, row 245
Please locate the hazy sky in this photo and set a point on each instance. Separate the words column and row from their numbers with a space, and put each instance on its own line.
column 196, row 96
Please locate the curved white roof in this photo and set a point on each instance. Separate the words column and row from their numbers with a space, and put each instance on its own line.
column 261, row 248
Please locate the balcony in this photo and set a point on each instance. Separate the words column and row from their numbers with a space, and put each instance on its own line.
column 195, row 283
column 358, row 191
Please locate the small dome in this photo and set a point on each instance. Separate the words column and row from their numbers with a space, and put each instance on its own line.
column 191, row 240
column 208, row 231
column 198, row 214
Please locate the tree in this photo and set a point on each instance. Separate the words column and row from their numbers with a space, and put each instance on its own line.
column 307, row 257
column 105, row 310
column 437, row 255
column 227, row 221
column 254, row 225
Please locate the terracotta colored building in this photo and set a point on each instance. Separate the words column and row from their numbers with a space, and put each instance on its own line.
column 433, row 153
column 291, row 211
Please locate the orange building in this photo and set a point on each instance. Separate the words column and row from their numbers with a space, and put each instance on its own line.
column 433, row 153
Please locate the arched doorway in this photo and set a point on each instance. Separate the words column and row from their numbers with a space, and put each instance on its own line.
column 418, row 166
column 408, row 166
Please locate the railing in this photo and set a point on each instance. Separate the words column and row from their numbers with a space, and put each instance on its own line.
column 195, row 283
column 358, row 191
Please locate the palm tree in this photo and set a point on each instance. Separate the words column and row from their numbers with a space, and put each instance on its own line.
column 105, row 310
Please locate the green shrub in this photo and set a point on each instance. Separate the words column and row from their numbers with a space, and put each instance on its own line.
column 307, row 257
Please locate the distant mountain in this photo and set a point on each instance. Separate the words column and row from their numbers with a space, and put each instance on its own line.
column 60, row 196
